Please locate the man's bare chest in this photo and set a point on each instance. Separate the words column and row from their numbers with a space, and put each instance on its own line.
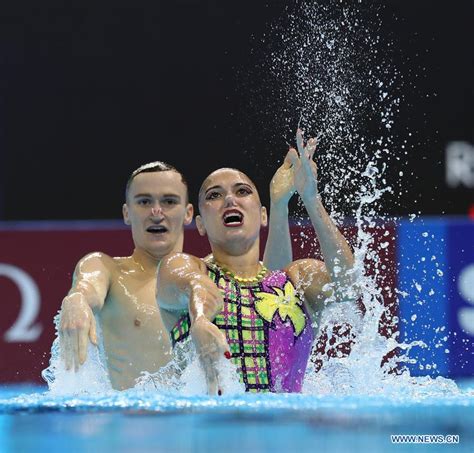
column 132, row 301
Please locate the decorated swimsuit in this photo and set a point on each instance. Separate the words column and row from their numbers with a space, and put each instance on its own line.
column 267, row 328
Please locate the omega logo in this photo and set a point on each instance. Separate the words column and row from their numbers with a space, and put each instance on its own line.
column 23, row 329
column 466, row 290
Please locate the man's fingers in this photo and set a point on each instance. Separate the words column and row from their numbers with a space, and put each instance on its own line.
column 82, row 341
column 210, row 362
column 68, row 353
column 211, row 345
column 75, row 348
column 93, row 332
column 212, row 382
column 62, row 352
column 209, row 365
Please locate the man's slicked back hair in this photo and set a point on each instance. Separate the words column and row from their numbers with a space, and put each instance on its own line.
column 153, row 167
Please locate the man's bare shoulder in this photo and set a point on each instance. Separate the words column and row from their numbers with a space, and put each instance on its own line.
column 179, row 260
column 97, row 258
column 93, row 274
column 97, row 262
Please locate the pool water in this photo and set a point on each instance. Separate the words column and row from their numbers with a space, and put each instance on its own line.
column 33, row 420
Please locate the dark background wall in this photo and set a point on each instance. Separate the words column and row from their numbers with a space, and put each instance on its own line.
column 89, row 93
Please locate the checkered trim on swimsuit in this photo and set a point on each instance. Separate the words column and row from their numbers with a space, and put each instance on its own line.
column 246, row 332
column 180, row 331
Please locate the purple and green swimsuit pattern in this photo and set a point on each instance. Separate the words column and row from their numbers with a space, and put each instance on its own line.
column 267, row 328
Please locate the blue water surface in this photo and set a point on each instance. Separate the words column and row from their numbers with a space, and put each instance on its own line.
column 133, row 421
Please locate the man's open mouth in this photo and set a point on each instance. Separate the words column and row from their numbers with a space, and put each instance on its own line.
column 233, row 218
column 157, row 229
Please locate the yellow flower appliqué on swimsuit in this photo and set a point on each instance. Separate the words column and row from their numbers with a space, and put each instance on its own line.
column 285, row 302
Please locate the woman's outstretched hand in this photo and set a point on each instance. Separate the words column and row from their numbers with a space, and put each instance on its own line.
column 304, row 168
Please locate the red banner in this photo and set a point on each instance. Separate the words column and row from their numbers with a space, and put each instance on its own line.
column 36, row 267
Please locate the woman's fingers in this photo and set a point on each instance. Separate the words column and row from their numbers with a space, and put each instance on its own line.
column 300, row 142
column 311, row 148
column 292, row 157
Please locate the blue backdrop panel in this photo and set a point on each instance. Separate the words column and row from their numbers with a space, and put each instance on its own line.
column 460, row 252
column 423, row 300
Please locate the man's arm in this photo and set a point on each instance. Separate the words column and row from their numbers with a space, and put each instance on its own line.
column 183, row 283
column 278, row 252
column 89, row 289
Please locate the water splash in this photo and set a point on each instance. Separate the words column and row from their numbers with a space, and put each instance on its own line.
column 375, row 364
column 331, row 67
column 91, row 378
column 329, row 71
column 183, row 375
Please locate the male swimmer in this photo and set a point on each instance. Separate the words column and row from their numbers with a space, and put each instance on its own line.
column 121, row 290
column 264, row 321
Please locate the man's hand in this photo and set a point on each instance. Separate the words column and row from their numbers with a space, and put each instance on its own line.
column 76, row 328
column 204, row 305
column 211, row 346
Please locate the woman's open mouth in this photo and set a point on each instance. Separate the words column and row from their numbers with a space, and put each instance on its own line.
column 233, row 218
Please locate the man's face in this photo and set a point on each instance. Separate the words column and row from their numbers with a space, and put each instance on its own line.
column 230, row 208
column 156, row 209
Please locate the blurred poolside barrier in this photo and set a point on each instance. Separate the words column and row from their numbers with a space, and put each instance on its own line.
column 434, row 284
column 436, row 269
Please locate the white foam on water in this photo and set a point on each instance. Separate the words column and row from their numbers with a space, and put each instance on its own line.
column 90, row 378
column 184, row 375
column 361, row 372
